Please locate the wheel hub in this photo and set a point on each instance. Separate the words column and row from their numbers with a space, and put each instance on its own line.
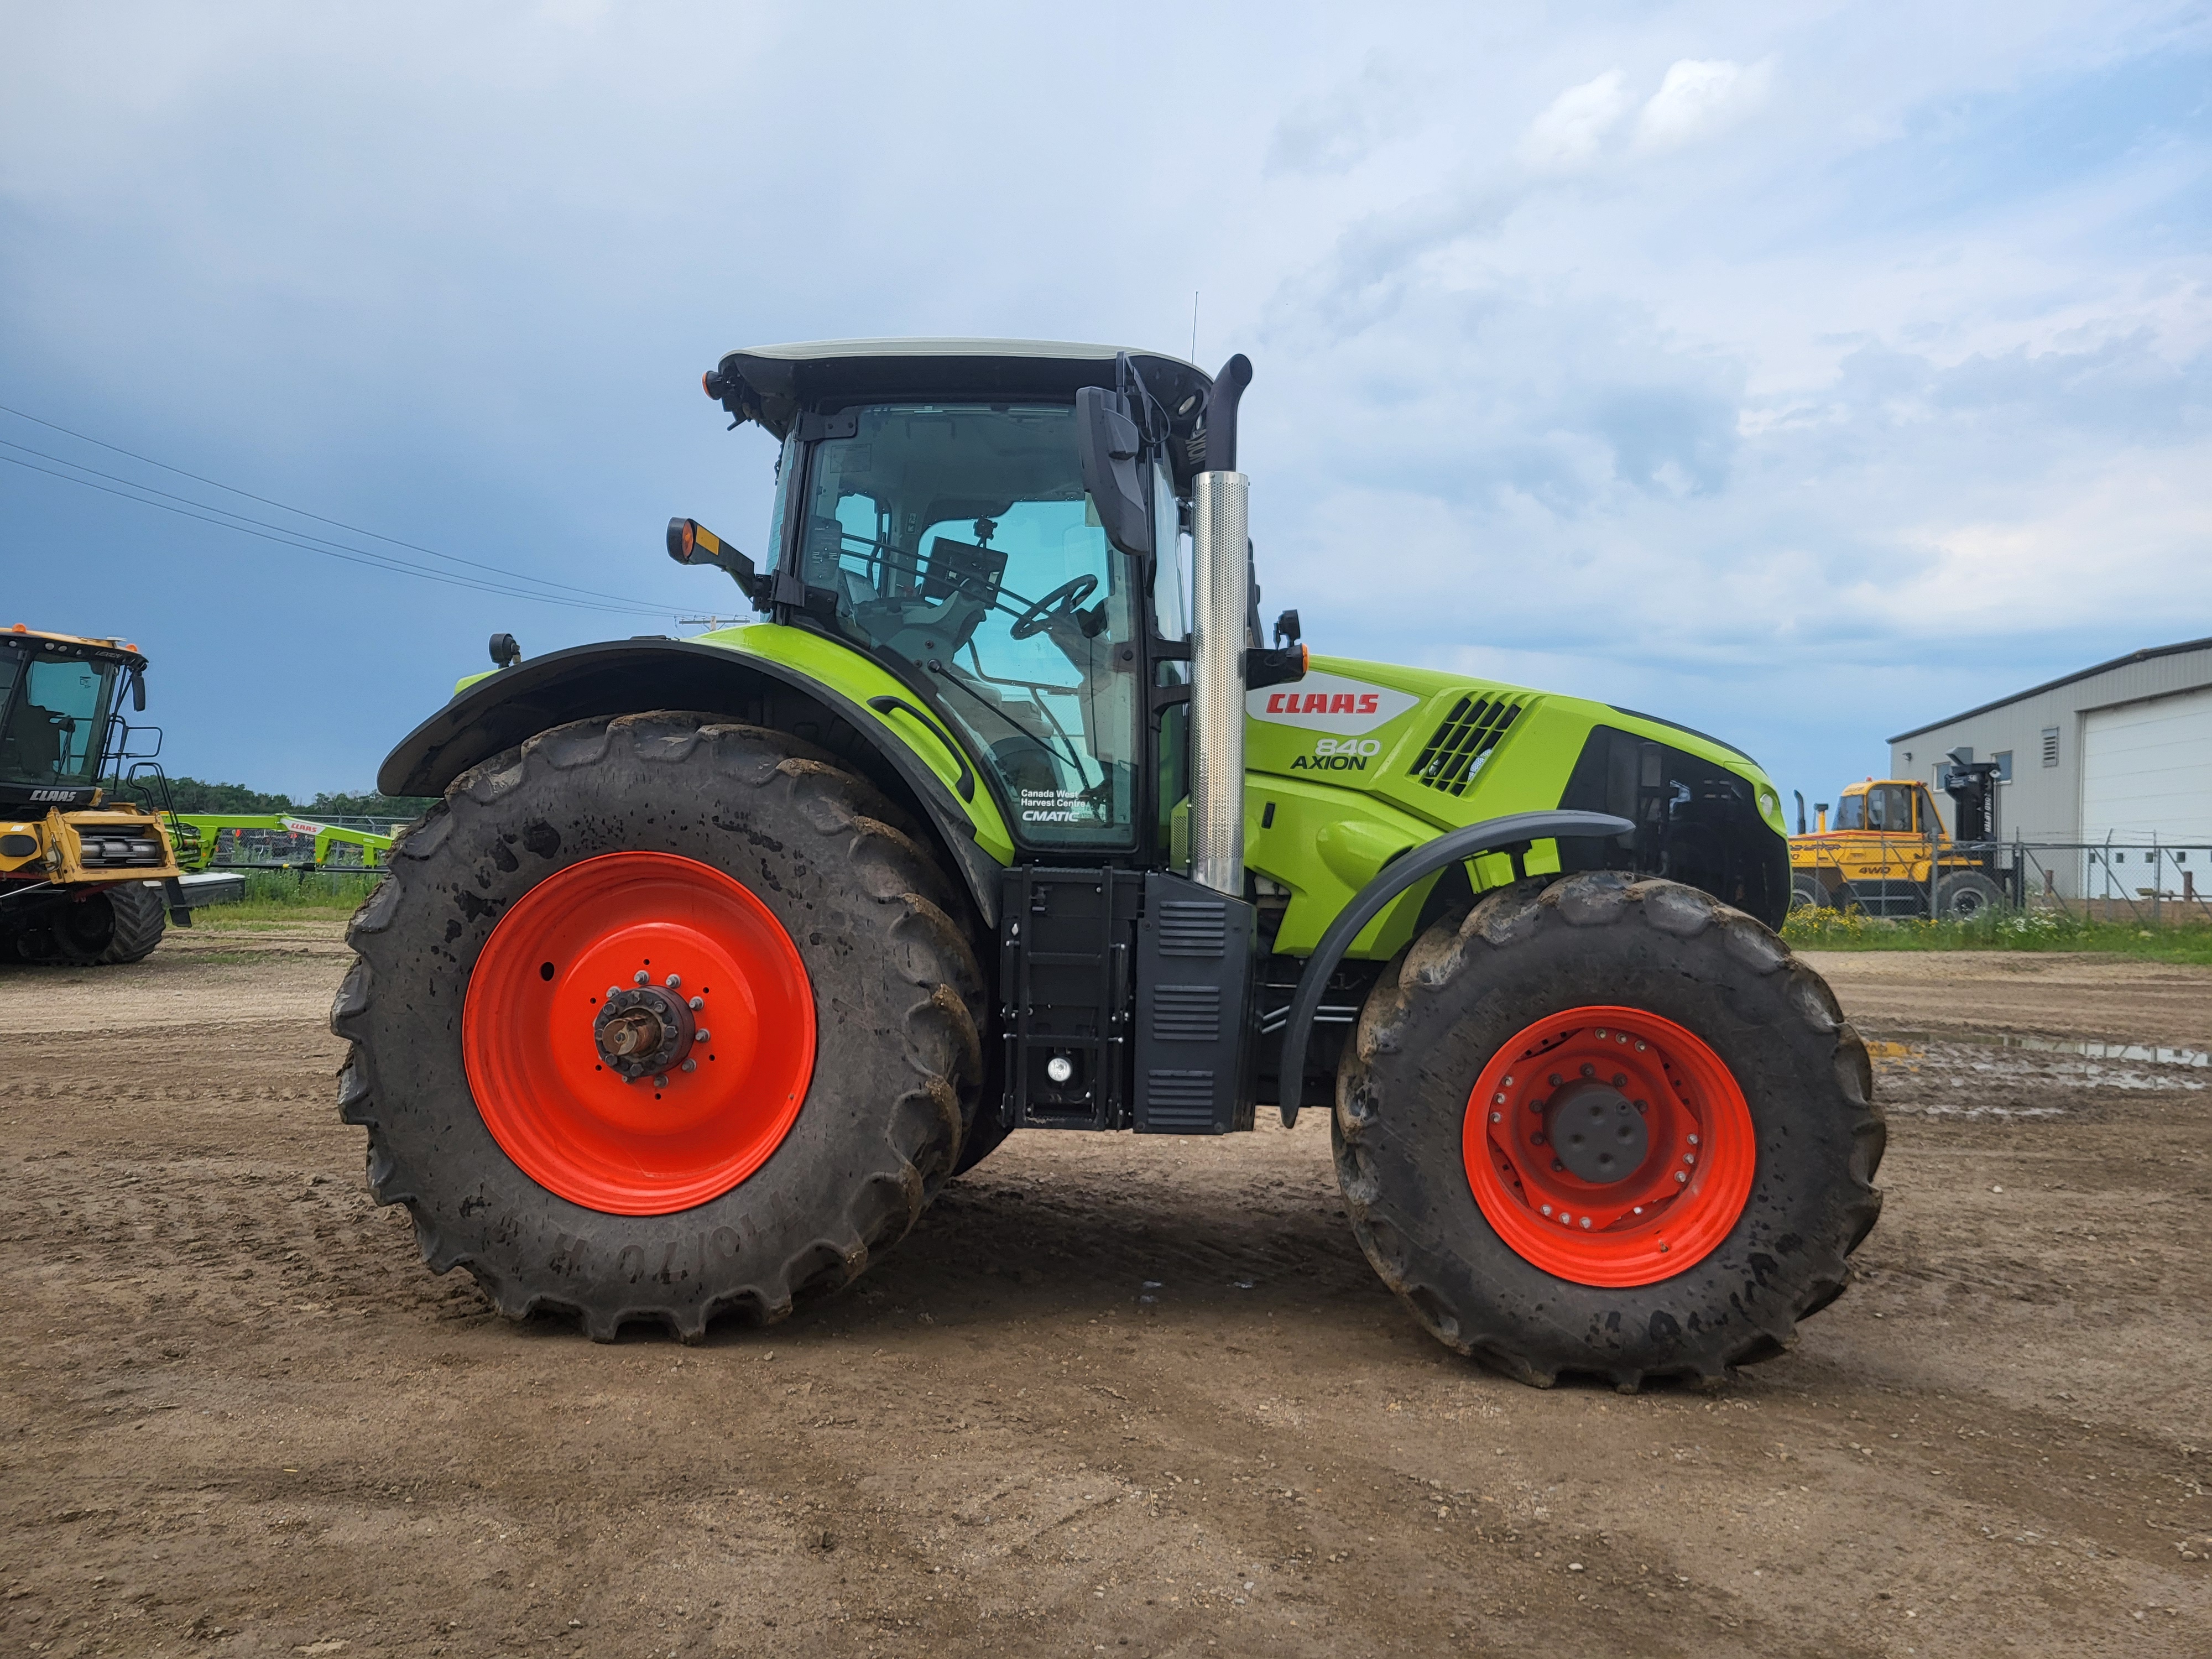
column 1597, row 1133
column 643, row 1031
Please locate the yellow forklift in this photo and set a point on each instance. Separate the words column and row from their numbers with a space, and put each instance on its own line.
column 86, row 877
column 1888, row 854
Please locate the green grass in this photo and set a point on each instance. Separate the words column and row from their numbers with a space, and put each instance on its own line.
column 2005, row 930
column 275, row 897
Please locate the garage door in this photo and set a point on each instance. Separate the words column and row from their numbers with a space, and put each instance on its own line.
column 2147, row 770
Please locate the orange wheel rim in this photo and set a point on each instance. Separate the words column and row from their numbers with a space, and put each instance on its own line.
column 1609, row 1146
column 636, row 962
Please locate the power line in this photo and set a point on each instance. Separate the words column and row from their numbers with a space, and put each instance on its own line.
column 300, row 539
column 356, row 556
column 368, row 555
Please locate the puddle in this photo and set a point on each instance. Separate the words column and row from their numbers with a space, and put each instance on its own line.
column 1913, row 1044
column 1979, row 1074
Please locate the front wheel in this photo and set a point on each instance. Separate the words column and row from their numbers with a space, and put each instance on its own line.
column 1966, row 895
column 1608, row 1126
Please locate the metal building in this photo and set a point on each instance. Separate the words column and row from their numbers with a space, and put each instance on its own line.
column 2120, row 753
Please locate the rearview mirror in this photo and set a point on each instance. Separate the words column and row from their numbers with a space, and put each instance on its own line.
column 138, row 691
column 1108, row 442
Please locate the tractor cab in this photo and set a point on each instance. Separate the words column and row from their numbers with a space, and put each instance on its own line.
column 1001, row 524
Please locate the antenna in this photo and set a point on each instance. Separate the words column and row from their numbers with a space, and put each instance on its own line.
column 1194, row 325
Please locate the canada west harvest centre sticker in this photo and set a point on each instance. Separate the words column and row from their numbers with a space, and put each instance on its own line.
column 1328, row 702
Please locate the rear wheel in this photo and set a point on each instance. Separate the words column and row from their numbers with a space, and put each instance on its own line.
column 656, row 1018
column 1608, row 1126
column 1805, row 893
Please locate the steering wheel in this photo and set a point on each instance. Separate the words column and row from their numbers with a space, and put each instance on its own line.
column 1038, row 616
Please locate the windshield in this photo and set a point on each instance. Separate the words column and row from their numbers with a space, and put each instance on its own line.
column 53, row 711
column 958, row 537
column 1885, row 806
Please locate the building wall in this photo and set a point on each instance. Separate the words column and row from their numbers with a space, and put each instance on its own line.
column 2043, row 802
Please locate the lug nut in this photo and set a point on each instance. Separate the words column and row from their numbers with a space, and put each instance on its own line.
column 1497, row 1100
column 1585, row 1224
column 640, row 977
column 614, row 990
column 673, row 981
column 1694, row 1140
column 701, row 1036
column 1689, row 1158
column 1589, row 1070
column 1497, row 1117
column 1556, row 1164
column 1548, row 1209
column 690, row 1065
column 660, row 1082
column 1557, row 1079
column 1679, row 1177
column 1621, row 1079
column 1639, row 1047
column 697, row 1003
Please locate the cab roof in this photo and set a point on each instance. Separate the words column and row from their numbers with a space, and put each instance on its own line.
column 771, row 384
column 75, row 644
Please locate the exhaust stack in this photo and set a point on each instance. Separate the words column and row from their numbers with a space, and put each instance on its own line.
column 1221, row 600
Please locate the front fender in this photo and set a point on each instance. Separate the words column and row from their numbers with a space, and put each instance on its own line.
column 807, row 683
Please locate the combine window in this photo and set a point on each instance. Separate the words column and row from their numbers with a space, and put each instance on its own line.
column 53, row 715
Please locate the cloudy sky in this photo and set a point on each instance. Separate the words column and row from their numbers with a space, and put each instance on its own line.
column 1799, row 373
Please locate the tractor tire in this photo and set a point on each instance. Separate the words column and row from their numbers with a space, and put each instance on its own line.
column 1968, row 893
column 818, row 952
column 138, row 915
column 1805, row 893
column 1725, row 1157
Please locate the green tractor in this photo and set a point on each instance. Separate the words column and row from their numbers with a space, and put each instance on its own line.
column 720, row 955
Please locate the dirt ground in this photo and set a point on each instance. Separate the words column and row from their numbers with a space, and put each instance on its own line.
column 1113, row 1395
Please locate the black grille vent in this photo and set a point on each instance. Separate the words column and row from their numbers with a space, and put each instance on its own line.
column 1192, row 928
column 1461, row 744
column 1187, row 1013
column 1179, row 1100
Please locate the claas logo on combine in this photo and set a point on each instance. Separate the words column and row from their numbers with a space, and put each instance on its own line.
column 1346, row 709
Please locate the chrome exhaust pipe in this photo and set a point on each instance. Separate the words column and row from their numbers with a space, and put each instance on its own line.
column 1221, row 603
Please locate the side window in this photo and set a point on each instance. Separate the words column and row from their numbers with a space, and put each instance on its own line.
column 1170, row 610
column 1850, row 813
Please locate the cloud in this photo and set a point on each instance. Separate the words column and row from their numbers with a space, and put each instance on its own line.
column 1568, row 133
column 1698, row 98
column 1335, row 130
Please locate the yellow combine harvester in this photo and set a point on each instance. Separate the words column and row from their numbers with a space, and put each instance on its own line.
column 1887, row 849
column 84, row 879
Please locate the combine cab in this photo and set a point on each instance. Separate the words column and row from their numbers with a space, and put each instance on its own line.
column 84, row 879
column 720, row 955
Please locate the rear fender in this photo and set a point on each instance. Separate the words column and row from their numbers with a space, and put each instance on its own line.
column 823, row 697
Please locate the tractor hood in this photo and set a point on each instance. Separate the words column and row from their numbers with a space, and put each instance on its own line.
column 769, row 385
